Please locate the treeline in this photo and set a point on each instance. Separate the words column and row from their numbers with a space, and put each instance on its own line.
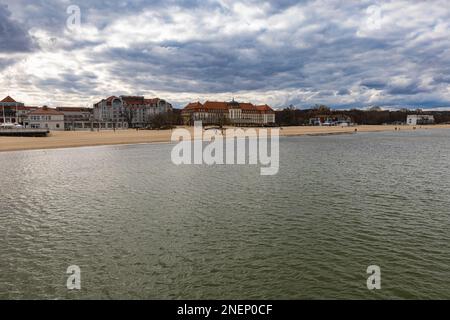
column 295, row 117
column 166, row 120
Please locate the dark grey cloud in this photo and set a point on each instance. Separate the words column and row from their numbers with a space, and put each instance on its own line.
column 442, row 78
column 13, row 37
column 374, row 84
column 406, row 89
column 304, row 52
column 83, row 83
column 343, row 92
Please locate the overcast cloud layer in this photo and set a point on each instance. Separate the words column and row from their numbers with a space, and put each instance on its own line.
column 340, row 53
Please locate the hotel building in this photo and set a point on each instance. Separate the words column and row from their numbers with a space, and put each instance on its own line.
column 134, row 111
column 231, row 113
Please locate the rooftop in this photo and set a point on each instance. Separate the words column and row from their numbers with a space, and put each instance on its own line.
column 8, row 99
column 46, row 111
column 224, row 106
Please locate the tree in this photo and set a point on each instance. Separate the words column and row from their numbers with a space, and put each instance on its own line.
column 128, row 114
column 322, row 109
column 222, row 120
column 161, row 121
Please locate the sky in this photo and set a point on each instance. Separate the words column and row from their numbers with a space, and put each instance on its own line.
column 343, row 54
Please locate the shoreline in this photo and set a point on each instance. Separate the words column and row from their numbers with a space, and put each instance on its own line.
column 75, row 139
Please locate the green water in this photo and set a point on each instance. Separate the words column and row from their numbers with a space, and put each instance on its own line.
column 140, row 227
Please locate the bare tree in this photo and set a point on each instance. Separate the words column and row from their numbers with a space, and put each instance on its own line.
column 128, row 114
column 222, row 120
column 160, row 121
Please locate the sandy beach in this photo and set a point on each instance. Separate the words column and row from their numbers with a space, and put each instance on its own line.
column 70, row 139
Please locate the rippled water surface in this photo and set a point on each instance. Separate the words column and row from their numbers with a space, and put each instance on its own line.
column 140, row 227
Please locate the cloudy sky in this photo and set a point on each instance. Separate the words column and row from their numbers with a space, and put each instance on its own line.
column 341, row 53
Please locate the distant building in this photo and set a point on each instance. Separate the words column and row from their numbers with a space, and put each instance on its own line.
column 135, row 111
column 232, row 113
column 10, row 102
column 76, row 114
column 330, row 120
column 77, row 118
column 12, row 111
column 45, row 118
column 419, row 119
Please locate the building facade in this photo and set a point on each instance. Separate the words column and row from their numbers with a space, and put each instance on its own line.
column 12, row 111
column 45, row 118
column 77, row 118
column 330, row 120
column 59, row 118
column 134, row 111
column 228, row 113
column 420, row 119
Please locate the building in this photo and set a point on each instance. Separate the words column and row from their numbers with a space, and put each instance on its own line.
column 10, row 102
column 232, row 113
column 45, row 118
column 419, row 119
column 132, row 111
column 76, row 114
column 77, row 118
column 331, row 120
column 15, row 112
column 12, row 111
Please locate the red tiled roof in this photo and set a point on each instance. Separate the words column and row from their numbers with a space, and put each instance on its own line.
column 8, row 99
column 247, row 106
column 25, row 108
column 73, row 109
column 193, row 105
column 151, row 101
column 111, row 98
column 264, row 108
column 133, row 99
column 140, row 101
column 46, row 111
column 216, row 105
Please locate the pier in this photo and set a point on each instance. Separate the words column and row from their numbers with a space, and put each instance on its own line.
column 24, row 132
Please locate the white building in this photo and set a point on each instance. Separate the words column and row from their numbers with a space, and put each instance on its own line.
column 45, row 118
column 331, row 120
column 420, row 119
column 133, row 110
